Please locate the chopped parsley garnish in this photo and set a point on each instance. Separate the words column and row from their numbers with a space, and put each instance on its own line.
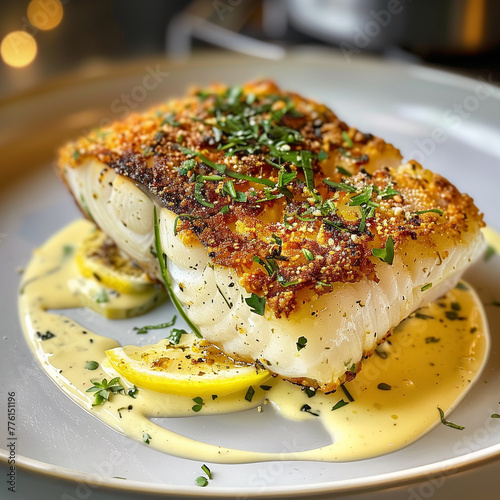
column 328, row 207
column 432, row 210
column 176, row 220
column 308, row 254
column 447, row 423
column 340, row 186
column 224, row 210
column 146, row 437
column 103, row 390
column 304, row 161
column 360, row 199
column 350, row 367
column 347, row 139
column 307, row 409
column 201, row 481
column 91, row 365
column 356, row 159
column 133, row 391
column 249, row 394
column 286, row 223
column 45, row 336
column 451, row 315
column 222, row 169
column 145, row 329
column 336, row 226
column 176, row 334
column 265, row 387
column 268, row 196
column 257, row 304
column 199, row 404
column 68, row 250
column 339, row 404
column 278, row 242
column 388, row 192
column 207, row 471
column 423, row 316
column 385, row 254
column 495, row 415
column 384, row 387
column 322, row 155
column 304, row 219
column 367, row 207
column 310, row 391
column 198, row 186
column 301, row 343
column 101, row 296
column 231, row 191
column 119, row 410
column 322, row 283
column 251, row 124
column 169, row 119
column 187, row 166
column 426, row 287
column 347, row 393
column 256, row 180
column 273, row 270
column 285, row 178
column 367, row 211
column 343, row 171
column 490, row 252
column 432, row 340
column 204, row 159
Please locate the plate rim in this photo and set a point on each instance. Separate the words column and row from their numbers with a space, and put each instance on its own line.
column 470, row 461
column 311, row 56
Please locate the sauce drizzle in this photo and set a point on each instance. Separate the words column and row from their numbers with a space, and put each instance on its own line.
column 431, row 360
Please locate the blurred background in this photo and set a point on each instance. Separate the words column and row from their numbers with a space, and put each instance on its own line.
column 41, row 39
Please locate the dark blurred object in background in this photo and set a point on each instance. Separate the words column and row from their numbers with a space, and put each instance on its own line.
column 43, row 38
column 421, row 26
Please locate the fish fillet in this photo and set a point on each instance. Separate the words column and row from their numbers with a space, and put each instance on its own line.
column 290, row 239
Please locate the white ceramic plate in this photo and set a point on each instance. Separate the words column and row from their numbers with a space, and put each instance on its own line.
column 448, row 122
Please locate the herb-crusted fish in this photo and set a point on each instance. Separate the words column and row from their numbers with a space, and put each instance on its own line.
column 286, row 237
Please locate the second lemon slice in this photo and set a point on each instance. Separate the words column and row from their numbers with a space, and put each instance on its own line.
column 191, row 368
column 99, row 258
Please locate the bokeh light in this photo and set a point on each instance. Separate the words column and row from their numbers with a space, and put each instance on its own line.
column 18, row 49
column 45, row 14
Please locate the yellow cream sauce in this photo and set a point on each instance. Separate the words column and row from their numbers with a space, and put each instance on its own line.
column 429, row 362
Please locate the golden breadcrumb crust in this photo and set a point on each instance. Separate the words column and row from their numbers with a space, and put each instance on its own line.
column 282, row 237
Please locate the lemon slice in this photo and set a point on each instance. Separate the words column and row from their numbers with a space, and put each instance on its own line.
column 112, row 304
column 191, row 368
column 99, row 258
